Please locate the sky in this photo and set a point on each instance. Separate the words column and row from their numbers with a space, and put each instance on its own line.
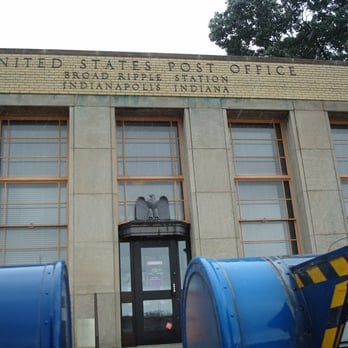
column 153, row 26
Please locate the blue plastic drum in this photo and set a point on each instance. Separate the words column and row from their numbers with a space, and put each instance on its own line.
column 249, row 303
column 35, row 307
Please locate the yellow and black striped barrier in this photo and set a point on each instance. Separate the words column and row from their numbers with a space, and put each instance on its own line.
column 324, row 283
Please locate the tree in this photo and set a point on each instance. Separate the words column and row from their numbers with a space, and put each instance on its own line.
column 314, row 29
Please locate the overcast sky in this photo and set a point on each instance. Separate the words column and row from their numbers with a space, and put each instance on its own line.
column 165, row 26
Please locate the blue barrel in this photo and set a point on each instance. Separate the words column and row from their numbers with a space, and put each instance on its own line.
column 266, row 302
column 35, row 306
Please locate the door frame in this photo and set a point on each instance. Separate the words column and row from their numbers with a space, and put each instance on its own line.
column 172, row 332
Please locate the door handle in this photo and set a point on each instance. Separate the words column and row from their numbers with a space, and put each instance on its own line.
column 174, row 288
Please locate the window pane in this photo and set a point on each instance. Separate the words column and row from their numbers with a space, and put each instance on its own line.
column 150, row 157
column 155, row 269
column 263, row 231
column 341, row 148
column 263, row 210
column 261, row 166
column 182, row 260
column 148, row 166
column 126, row 281
column 33, row 203
column 127, row 318
column 262, row 200
column 122, row 191
column 257, row 149
column 342, row 165
column 37, row 256
column 156, row 314
column 32, row 129
column 252, row 131
column 267, row 249
column 126, row 211
column 339, row 133
column 127, row 309
column 260, row 189
column 33, row 149
column 35, row 237
column 254, row 148
column 148, row 148
column 134, row 129
column 35, row 167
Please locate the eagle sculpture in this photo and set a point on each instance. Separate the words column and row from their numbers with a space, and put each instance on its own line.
column 152, row 208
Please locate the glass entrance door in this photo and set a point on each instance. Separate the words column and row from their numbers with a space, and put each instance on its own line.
column 157, row 269
column 157, row 293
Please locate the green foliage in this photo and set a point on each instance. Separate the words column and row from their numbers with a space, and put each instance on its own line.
column 313, row 29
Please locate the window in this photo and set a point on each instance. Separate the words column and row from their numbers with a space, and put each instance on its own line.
column 339, row 133
column 149, row 162
column 266, row 212
column 33, row 189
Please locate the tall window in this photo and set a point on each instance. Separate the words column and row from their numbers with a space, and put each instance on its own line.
column 149, row 162
column 266, row 212
column 339, row 133
column 33, row 190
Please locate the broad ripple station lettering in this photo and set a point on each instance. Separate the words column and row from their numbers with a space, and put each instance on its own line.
column 119, row 75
